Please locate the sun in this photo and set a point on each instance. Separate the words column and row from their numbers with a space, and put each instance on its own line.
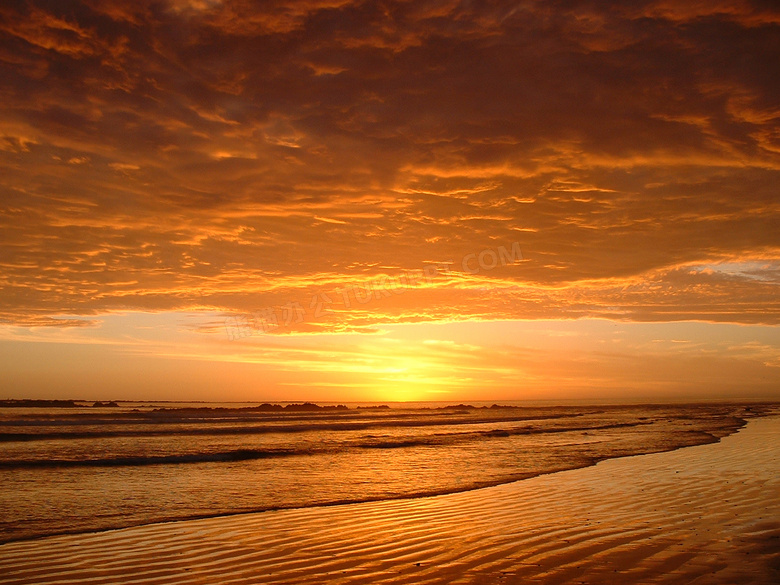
column 402, row 392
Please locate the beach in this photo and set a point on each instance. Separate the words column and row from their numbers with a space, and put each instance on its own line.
column 704, row 514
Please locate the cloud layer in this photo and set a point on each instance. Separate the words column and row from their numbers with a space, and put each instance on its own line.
column 185, row 154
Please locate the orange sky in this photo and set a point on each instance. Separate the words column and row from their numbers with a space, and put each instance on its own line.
column 433, row 200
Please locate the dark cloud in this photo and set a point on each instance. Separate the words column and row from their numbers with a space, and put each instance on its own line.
column 154, row 149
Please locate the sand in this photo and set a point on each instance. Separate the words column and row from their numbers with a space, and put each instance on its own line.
column 705, row 514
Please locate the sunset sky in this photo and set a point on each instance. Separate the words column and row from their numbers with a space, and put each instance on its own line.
column 417, row 200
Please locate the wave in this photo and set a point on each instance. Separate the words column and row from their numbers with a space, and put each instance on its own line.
column 220, row 427
column 223, row 456
column 236, row 455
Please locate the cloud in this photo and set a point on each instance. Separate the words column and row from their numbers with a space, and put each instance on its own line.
column 154, row 154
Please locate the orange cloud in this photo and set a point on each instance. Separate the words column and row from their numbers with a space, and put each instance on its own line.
column 222, row 154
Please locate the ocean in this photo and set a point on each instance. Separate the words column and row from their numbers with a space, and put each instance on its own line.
column 87, row 468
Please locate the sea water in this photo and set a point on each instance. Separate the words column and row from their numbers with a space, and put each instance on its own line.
column 87, row 468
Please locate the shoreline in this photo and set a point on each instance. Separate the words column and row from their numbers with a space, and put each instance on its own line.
column 709, row 511
column 401, row 497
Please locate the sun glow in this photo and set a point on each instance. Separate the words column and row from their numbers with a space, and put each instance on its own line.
column 409, row 374
column 402, row 392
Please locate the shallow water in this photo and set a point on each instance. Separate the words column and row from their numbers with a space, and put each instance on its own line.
column 83, row 469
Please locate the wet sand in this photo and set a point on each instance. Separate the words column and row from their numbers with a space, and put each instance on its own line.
column 706, row 514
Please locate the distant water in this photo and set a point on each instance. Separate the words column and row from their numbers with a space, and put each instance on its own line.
column 68, row 470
